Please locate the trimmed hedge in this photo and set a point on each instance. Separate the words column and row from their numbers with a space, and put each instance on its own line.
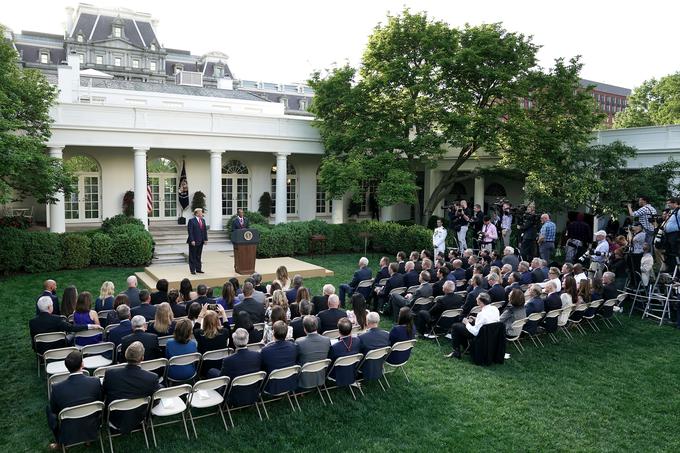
column 254, row 218
column 292, row 238
column 76, row 249
column 121, row 219
column 101, row 247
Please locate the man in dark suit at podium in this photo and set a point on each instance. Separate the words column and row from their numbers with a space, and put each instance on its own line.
column 240, row 222
column 198, row 235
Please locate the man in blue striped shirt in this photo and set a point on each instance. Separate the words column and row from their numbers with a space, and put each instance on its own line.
column 546, row 238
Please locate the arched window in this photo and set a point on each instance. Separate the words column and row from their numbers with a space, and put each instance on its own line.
column 235, row 185
column 84, row 204
column 495, row 190
column 291, row 189
column 457, row 192
column 163, row 183
column 323, row 203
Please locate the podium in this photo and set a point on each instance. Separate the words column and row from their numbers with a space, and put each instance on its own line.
column 245, row 242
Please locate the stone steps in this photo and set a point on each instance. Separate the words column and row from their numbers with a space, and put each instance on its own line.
column 171, row 247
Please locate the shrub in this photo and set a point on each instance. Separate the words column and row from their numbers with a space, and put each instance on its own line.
column 132, row 248
column 121, row 219
column 265, row 205
column 11, row 253
column 254, row 218
column 297, row 233
column 76, row 251
column 41, row 251
column 387, row 236
column 129, row 203
column 126, row 229
column 418, row 238
column 15, row 221
column 101, row 246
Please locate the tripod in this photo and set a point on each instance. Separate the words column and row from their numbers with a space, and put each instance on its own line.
column 659, row 296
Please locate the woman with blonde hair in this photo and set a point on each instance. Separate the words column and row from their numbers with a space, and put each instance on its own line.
column 164, row 322
column 282, row 278
column 105, row 299
column 279, row 299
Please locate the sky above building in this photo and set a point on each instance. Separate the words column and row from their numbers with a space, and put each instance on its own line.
column 621, row 42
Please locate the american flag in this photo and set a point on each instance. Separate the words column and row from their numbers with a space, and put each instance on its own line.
column 149, row 195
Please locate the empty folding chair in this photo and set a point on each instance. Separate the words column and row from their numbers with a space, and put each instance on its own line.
column 576, row 317
column 57, row 378
column 54, row 360
column 207, row 394
column 243, row 392
column 45, row 341
column 343, row 373
column 371, row 367
column 517, row 326
column 171, row 401
column 313, row 376
column 279, row 383
column 398, row 358
column 81, row 424
column 444, row 323
column 98, row 355
column 332, row 334
column 127, row 416
column 591, row 311
column 531, row 327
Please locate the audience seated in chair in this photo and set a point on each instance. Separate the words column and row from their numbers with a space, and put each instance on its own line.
column 181, row 343
column 105, row 299
column 312, row 347
column 50, row 290
column 85, row 316
column 163, row 322
column 144, row 308
column 321, row 302
column 373, row 338
column 255, row 309
column 363, row 273
column 279, row 354
column 139, row 333
column 513, row 312
column 124, row 327
column 346, row 345
column 328, row 319
column 46, row 322
column 403, row 331
column 461, row 333
column 449, row 301
column 132, row 292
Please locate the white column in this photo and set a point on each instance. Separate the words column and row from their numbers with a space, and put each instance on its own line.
column 140, row 185
column 57, row 210
column 281, row 192
column 215, row 206
column 479, row 191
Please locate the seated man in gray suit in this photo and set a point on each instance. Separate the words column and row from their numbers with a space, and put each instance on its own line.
column 424, row 290
column 311, row 348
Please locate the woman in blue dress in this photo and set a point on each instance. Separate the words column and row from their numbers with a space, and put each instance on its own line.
column 84, row 315
column 181, row 343
column 401, row 332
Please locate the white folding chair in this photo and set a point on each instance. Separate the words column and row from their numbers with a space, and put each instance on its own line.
column 517, row 326
column 563, row 320
column 158, row 366
column 317, row 368
column 399, row 290
column 342, row 362
column 193, row 358
column 103, row 316
column 257, row 347
column 216, row 355
column 534, row 318
column 462, row 294
column 79, row 412
column 100, row 372
column 606, row 313
column 94, row 355
column 57, row 339
column 589, row 315
column 446, row 314
column 163, row 341
column 206, row 394
column 498, row 304
column 412, row 289
column 422, row 302
column 127, row 405
column 400, row 346
column 279, row 375
column 332, row 334
column 259, row 326
column 108, row 329
column 576, row 317
column 170, row 403
column 54, row 360
column 475, row 310
column 247, row 380
column 378, row 355
column 550, row 315
column 89, row 333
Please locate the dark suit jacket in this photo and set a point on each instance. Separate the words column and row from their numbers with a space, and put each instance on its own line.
column 276, row 355
column 374, row 338
column 311, row 348
column 459, row 274
column 298, row 328
column 359, row 275
column 609, row 292
column 384, row 273
column 424, row 290
column 402, row 270
column 438, row 288
column 127, row 383
column 46, row 323
column 328, row 319
column 497, row 293
column 148, row 340
column 537, row 276
column 471, row 300
column 320, row 303
column 448, row 302
column 159, row 297
column 196, row 233
column 291, row 294
column 345, row 346
column 253, row 308
column 552, row 302
column 242, row 362
column 203, row 300
column 55, row 302
column 133, row 297
column 411, row 279
column 509, row 288
column 117, row 334
column 395, row 281
column 146, row 310
column 236, row 225
column 76, row 390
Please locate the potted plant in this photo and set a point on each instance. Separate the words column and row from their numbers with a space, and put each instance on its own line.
column 129, row 203
column 265, row 205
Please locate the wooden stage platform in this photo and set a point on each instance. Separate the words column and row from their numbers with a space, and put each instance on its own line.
column 219, row 267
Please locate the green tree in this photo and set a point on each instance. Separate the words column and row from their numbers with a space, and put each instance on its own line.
column 425, row 89
column 654, row 103
column 25, row 98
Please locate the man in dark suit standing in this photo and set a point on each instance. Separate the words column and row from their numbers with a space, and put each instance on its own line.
column 76, row 390
column 124, row 328
column 254, row 309
column 363, row 273
column 139, row 333
column 328, row 319
column 145, row 308
column 198, row 235
column 129, row 382
column 448, row 301
column 373, row 338
column 240, row 222
column 46, row 322
column 279, row 354
column 50, row 289
column 312, row 347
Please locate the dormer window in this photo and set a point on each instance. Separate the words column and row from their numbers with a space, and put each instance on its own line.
column 80, row 38
column 44, row 57
column 303, row 105
column 152, row 47
column 178, row 68
column 218, row 71
column 279, row 87
column 117, row 31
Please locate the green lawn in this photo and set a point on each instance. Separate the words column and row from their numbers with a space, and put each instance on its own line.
column 611, row 391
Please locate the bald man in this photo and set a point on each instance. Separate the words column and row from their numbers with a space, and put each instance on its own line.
column 49, row 289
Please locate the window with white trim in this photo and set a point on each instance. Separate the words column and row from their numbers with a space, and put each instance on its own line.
column 99, row 59
column 291, row 189
column 117, row 31
column 84, row 203
column 81, row 57
column 44, row 56
column 152, row 65
column 117, row 61
column 80, row 38
column 152, row 47
column 235, row 184
column 135, row 63
column 323, row 204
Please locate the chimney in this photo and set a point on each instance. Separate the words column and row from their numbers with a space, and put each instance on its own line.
column 69, row 20
column 68, row 79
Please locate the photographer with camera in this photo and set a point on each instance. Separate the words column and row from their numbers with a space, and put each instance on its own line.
column 488, row 235
column 459, row 217
column 527, row 231
column 645, row 216
column 578, row 235
column 506, row 223
column 599, row 256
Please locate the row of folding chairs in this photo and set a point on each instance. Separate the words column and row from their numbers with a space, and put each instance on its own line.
column 183, row 400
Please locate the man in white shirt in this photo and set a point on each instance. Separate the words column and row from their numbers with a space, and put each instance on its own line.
column 489, row 234
column 579, row 273
column 599, row 255
column 462, row 332
column 439, row 238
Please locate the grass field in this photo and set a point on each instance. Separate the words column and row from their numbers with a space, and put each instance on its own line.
column 617, row 390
